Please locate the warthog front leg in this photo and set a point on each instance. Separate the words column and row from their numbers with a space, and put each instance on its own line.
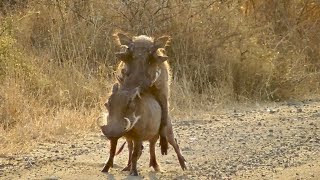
column 135, row 156
column 109, row 164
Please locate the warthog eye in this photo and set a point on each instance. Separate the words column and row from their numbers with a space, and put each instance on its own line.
column 151, row 59
column 130, row 107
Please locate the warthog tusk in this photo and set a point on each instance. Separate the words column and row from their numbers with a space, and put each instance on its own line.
column 102, row 119
column 135, row 119
column 137, row 93
column 158, row 73
column 128, row 124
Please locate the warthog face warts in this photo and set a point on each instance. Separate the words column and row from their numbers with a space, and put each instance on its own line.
column 121, row 116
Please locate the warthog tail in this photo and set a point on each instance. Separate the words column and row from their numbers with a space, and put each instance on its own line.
column 121, row 148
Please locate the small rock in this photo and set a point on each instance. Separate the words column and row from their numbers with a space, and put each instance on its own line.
column 73, row 146
column 271, row 111
column 60, row 158
column 299, row 110
column 168, row 162
column 52, row 178
column 312, row 140
column 259, row 124
column 292, row 103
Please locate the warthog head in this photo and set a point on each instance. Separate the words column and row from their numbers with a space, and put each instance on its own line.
column 142, row 55
column 121, row 116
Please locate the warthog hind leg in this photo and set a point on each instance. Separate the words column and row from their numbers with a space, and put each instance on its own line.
column 175, row 145
column 153, row 161
column 163, row 101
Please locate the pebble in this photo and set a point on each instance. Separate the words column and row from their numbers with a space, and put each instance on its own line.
column 271, row 111
column 52, row 178
column 168, row 162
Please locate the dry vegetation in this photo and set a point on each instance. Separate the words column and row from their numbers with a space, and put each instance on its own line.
column 57, row 58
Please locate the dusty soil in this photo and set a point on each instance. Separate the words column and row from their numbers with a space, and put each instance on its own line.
column 279, row 141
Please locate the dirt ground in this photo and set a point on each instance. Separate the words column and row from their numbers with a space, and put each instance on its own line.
column 277, row 141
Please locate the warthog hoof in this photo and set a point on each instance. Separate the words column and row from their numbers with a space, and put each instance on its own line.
column 107, row 167
column 182, row 163
column 133, row 172
column 155, row 166
column 127, row 168
column 164, row 145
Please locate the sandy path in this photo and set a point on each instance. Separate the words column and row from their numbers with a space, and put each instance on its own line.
column 282, row 142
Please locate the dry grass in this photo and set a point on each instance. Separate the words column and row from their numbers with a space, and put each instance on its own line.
column 57, row 57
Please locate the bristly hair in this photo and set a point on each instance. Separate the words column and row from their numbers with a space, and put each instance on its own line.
column 143, row 37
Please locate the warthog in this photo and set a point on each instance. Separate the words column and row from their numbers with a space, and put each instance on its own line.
column 137, row 118
column 143, row 63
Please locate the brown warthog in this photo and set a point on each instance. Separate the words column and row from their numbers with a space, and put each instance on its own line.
column 143, row 63
column 137, row 118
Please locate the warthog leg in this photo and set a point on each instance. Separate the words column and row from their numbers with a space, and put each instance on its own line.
column 163, row 101
column 175, row 145
column 130, row 148
column 135, row 156
column 113, row 146
column 153, row 160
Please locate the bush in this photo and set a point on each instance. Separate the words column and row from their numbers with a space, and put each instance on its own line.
column 58, row 56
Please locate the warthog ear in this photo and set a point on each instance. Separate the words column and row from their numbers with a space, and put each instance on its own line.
column 162, row 42
column 115, row 88
column 160, row 56
column 122, row 39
